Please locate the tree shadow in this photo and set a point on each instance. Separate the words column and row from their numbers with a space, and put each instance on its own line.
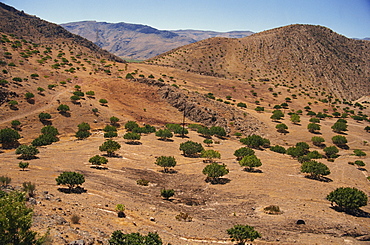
column 344, row 147
column 252, row 170
column 99, row 167
column 322, row 179
column 180, row 136
column 112, row 155
column 316, row 132
column 46, row 122
column 169, row 171
column 217, row 181
column 166, row 140
column 362, row 169
column 353, row 212
column 76, row 190
column 28, row 158
column 133, row 143
column 66, row 114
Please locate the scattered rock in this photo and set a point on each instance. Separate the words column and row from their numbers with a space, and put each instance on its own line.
column 300, row 222
column 77, row 242
column 152, row 219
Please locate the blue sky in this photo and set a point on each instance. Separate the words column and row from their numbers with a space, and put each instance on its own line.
column 347, row 17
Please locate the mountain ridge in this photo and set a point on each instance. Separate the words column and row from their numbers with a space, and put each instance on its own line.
column 137, row 41
column 292, row 54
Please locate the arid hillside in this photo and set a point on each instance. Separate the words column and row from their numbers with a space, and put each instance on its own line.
column 34, row 29
column 65, row 86
column 296, row 55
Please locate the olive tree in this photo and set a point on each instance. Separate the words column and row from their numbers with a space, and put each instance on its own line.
column 250, row 162
column 242, row 152
column 110, row 147
column 16, row 221
column 27, row 152
column 214, row 171
column 210, row 155
column 243, row 233
column 315, row 169
column 347, row 198
column 71, row 179
column 166, row 162
column 9, row 137
column 190, row 148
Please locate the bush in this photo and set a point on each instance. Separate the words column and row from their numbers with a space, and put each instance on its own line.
column 243, row 233
column 132, row 137
column 142, row 182
column 281, row 128
column 166, row 162
column 71, row 179
column 315, row 169
column 214, row 171
column 359, row 163
column 339, row 127
column 313, row 127
column 331, row 151
column 242, row 152
column 29, row 188
column 130, row 125
column 16, row 220
column 183, row 217
column 250, row 162
column 164, row 134
column 218, row 131
column 44, row 139
column 81, row 134
column 110, row 147
column 317, row 140
column 278, row 149
column 110, row 134
column 98, row 160
column 43, row 116
column 27, row 152
column 119, row 238
column 5, row 180
column 359, row 153
column 210, row 155
column 255, row 141
column 347, row 198
column 167, row 193
column 103, row 101
column 9, row 137
column 190, row 148
column 339, row 140
column 23, row 165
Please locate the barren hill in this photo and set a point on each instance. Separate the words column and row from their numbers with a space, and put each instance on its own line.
column 200, row 211
column 294, row 55
column 140, row 42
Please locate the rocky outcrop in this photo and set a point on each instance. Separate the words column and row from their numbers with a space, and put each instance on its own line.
column 206, row 111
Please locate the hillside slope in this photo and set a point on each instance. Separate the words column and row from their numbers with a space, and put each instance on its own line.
column 36, row 30
column 296, row 55
column 140, row 42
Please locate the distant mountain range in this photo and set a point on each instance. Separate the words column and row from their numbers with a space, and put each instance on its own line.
column 140, row 42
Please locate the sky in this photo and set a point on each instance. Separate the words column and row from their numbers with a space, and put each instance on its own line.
column 350, row 18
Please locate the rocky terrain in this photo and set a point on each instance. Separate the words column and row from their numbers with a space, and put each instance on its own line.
column 140, row 42
column 158, row 94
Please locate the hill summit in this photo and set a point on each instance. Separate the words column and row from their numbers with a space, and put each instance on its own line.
column 294, row 55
